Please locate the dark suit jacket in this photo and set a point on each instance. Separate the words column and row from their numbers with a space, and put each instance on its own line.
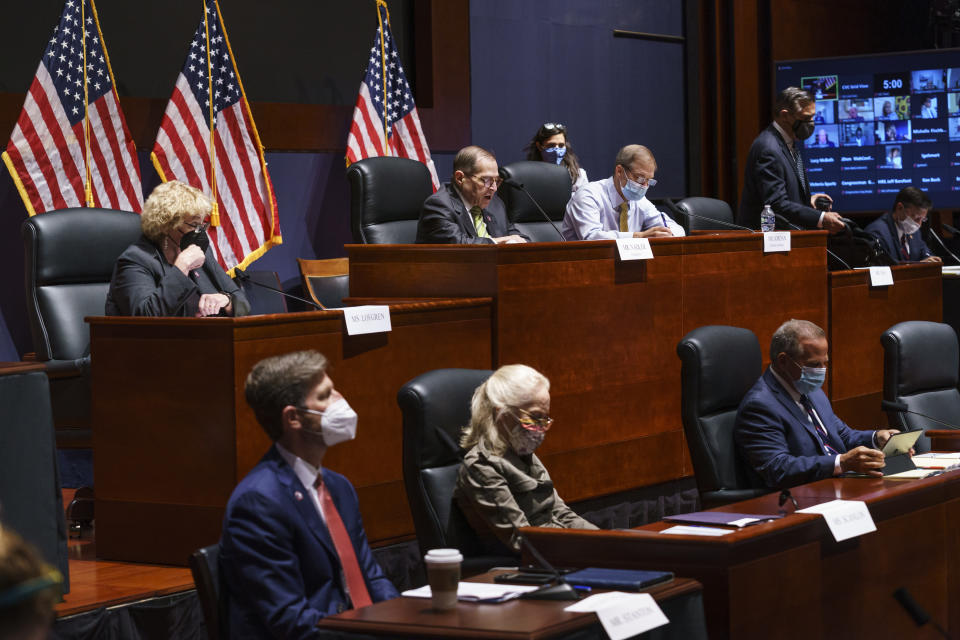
column 771, row 178
column 277, row 559
column 145, row 284
column 777, row 441
column 885, row 229
column 445, row 220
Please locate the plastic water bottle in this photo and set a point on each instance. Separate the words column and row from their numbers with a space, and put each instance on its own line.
column 767, row 220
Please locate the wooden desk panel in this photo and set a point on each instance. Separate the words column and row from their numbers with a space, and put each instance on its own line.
column 859, row 314
column 175, row 434
column 605, row 332
column 790, row 575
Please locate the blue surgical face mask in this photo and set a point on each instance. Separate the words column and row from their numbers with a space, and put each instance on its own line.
column 553, row 154
column 633, row 191
column 811, row 379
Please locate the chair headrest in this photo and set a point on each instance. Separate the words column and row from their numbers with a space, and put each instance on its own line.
column 386, row 189
column 435, row 403
column 549, row 184
column 927, row 355
column 77, row 245
column 723, row 362
column 705, row 208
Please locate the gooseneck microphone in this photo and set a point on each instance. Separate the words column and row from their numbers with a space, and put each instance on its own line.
column 940, row 241
column 510, row 182
column 560, row 590
column 674, row 209
column 901, row 407
column 915, row 611
column 242, row 276
column 796, row 228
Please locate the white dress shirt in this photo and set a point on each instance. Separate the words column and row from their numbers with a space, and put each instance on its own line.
column 306, row 473
column 593, row 213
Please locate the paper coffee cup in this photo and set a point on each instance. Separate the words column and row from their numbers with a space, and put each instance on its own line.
column 443, row 574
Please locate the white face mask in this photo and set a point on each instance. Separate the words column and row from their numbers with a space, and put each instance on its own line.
column 338, row 423
column 909, row 226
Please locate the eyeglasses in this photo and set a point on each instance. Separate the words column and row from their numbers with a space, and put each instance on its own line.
column 530, row 423
column 551, row 129
column 487, row 182
column 643, row 182
column 197, row 226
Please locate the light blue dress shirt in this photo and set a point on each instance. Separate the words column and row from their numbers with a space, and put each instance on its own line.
column 593, row 214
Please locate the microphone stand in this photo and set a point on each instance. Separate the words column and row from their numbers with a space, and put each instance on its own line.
column 242, row 276
column 795, row 227
column 510, row 182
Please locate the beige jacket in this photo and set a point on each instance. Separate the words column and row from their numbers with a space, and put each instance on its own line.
column 500, row 494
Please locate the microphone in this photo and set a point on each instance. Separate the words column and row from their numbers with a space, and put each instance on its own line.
column 919, row 616
column 795, row 227
column 241, row 275
column 939, row 241
column 901, row 407
column 678, row 211
column 786, row 495
column 560, row 590
column 510, row 182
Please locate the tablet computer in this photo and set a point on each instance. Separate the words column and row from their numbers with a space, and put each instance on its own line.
column 900, row 443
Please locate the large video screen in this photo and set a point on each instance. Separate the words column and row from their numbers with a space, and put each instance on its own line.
column 883, row 122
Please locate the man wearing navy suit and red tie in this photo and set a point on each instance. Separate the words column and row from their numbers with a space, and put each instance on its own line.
column 899, row 230
column 786, row 430
column 293, row 548
column 467, row 210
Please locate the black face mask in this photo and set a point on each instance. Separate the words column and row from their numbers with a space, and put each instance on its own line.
column 196, row 237
column 802, row 130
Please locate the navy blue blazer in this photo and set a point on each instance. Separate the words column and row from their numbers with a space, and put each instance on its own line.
column 145, row 284
column 277, row 559
column 776, row 440
column 885, row 229
column 445, row 220
column 771, row 178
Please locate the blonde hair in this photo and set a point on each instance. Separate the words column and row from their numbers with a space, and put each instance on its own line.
column 171, row 204
column 30, row 588
column 510, row 386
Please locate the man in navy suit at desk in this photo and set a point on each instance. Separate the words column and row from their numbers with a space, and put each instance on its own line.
column 467, row 210
column 786, row 430
column 899, row 230
column 293, row 548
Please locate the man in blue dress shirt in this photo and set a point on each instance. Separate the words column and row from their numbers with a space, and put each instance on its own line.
column 617, row 207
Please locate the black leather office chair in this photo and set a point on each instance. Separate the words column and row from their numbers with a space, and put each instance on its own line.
column 719, row 364
column 435, row 406
column 69, row 257
column 549, row 184
column 920, row 370
column 711, row 208
column 204, row 565
column 263, row 301
column 386, row 195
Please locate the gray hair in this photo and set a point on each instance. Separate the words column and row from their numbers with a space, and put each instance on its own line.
column 634, row 153
column 510, row 386
column 786, row 339
column 467, row 158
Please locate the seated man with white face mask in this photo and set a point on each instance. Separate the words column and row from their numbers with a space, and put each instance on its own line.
column 617, row 207
column 786, row 430
column 293, row 548
column 502, row 485
column 899, row 230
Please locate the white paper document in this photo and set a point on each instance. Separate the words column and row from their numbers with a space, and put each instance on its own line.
column 476, row 591
column 687, row 530
column 846, row 518
column 623, row 615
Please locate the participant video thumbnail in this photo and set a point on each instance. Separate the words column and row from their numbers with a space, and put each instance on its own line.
column 928, row 80
column 824, row 114
column 820, row 87
column 891, row 108
column 855, row 110
column 892, row 158
column 854, row 135
column 898, row 131
column 927, row 106
column 824, row 137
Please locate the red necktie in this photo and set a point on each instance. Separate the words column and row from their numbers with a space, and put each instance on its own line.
column 904, row 249
column 356, row 586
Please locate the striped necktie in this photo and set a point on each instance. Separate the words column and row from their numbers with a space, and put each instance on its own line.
column 798, row 161
column 819, row 428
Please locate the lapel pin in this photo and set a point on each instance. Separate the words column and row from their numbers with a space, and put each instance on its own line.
column 297, row 496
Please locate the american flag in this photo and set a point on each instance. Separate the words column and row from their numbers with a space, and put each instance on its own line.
column 47, row 154
column 248, row 220
column 385, row 89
